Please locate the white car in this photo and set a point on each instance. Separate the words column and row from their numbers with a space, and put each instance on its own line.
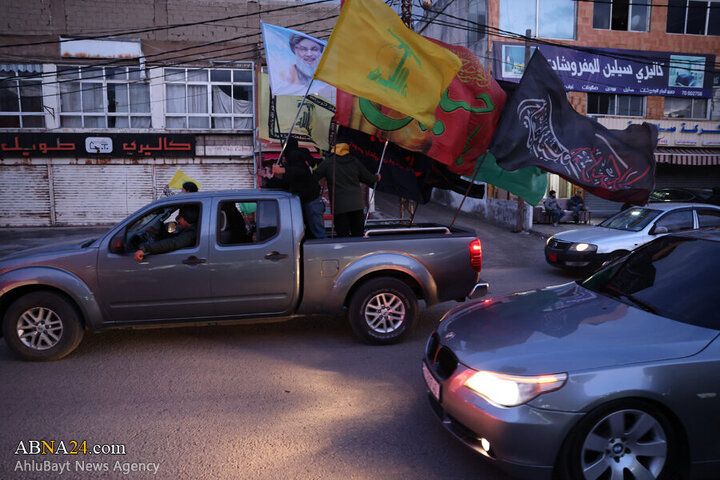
column 590, row 247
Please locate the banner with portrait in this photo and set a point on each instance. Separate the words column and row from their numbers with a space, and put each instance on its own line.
column 292, row 58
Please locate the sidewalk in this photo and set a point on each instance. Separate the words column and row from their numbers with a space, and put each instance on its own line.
column 547, row 230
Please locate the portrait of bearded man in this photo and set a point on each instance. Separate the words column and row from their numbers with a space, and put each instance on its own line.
column 307, row 56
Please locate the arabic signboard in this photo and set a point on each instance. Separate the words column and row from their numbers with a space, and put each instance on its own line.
column 143, row 145
column 605, row 70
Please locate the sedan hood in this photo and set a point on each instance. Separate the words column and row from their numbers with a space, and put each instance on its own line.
column 563, row 328
column 594, row 235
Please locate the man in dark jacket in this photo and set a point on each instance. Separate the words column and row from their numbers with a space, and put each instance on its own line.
column 185, row 236
column 299, row 179
column 576, row 204
column 343, row 174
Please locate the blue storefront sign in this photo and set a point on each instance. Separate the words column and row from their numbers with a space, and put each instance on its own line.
column 605, row 70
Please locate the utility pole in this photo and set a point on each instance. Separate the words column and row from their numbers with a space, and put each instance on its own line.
column 520, row 202
column 406, row 13
column 406, row 17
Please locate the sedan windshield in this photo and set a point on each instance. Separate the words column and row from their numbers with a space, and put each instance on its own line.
column 633, row 219
column 672, row 277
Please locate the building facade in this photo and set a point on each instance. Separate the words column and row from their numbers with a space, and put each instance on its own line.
column 679, row 91
column 673, row 49
column 101, row 105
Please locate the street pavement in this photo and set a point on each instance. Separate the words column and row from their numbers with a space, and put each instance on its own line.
column 296, row 400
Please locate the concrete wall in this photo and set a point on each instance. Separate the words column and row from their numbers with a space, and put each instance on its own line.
column 494, row 210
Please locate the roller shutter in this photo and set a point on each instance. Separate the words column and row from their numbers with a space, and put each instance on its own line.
column 99, row 194
column 24, row 195
column 212, row 176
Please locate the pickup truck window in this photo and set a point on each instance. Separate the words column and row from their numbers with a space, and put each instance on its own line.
column 246, row 221
column 156, row 225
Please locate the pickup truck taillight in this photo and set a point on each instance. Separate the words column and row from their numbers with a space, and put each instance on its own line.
column 476, row 254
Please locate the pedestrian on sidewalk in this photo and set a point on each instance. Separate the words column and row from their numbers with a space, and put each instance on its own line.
column 552, row 208
column 577, row 205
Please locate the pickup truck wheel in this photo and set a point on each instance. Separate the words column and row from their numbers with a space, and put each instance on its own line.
column 382, row 311
column 42, row 326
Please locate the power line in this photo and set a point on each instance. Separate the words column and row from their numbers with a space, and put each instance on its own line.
column 166, row 27
column 644, row 59
column 123, row 62
column 228, row 52
column 102, row 76
column 648, row 3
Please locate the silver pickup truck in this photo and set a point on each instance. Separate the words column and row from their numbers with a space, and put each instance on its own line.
column 250, row 261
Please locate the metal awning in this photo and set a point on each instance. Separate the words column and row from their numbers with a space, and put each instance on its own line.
column 688, row 156
column 21, row 67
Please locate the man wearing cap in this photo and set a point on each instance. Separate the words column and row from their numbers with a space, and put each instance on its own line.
column 344, row 173
column 183, row 237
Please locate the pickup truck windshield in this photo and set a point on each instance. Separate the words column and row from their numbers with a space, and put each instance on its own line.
column 672, row 277
column 633, row 219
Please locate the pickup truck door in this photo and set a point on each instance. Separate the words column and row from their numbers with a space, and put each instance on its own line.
column 166, row 286
column 252, row 258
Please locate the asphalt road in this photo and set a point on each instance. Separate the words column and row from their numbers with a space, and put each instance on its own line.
column 295, row 400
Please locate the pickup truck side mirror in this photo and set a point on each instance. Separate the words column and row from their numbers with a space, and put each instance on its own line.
column 659, row 229
column 117, row 244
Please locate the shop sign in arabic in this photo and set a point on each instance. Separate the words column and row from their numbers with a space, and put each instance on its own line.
column 96, row 145
column 683, row 133
column 631, row 72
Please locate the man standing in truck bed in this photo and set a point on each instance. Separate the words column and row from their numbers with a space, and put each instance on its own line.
column 343, row 173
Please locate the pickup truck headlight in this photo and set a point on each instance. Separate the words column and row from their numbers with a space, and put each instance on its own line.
column 513, row 390
column 583, row 247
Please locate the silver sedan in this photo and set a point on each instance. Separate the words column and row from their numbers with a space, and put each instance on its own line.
column 614, row 377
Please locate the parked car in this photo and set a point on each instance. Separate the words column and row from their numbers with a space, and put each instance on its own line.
column 613, row 377
column 250, row 260
column 589, row 248
column 680, row 194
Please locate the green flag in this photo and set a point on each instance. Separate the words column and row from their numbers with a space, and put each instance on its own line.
column 528, row 183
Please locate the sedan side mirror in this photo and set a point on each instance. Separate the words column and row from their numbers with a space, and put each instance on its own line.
column 117, row 244
column 660, row 229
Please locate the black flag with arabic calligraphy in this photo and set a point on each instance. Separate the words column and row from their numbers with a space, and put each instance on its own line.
column 539, row 127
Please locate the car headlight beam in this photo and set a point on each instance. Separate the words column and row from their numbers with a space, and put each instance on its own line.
column 513, row 390
column 583, row 247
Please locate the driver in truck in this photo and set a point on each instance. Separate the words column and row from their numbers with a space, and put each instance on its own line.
column 184, row 236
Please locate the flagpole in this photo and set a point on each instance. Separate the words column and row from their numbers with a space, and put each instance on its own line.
column 292, row 127
column 332, row 196
column 372, row 197
column 478, row 164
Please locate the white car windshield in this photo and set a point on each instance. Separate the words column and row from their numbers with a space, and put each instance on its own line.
column 632, row 219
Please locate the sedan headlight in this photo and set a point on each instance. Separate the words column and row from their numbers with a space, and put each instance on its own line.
column 583, row 247
column 513, row 390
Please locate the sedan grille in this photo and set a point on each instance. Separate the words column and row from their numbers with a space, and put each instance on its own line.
column 559, row 244
column 441, row 360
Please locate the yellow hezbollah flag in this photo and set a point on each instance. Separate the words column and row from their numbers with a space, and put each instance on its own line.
column 372, row 54
column 179, row 178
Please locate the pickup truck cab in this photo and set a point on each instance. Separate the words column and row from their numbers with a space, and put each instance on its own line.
column 250, row 261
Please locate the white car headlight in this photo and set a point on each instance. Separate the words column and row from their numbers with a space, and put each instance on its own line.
column 512, row 390
column 583, row 247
